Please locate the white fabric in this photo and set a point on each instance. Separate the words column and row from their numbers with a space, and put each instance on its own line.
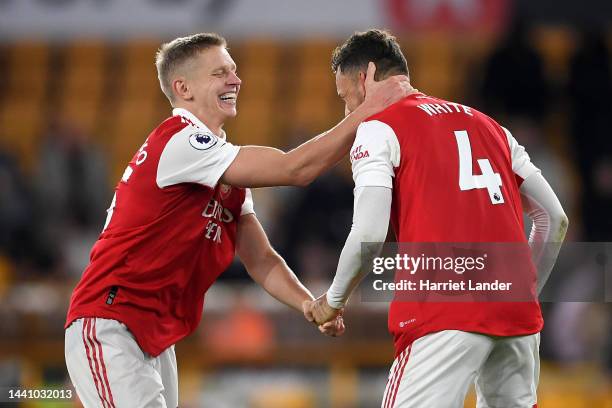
column 371, row 213
column 193, row 120
column 186, row 158
column 374, row 155
column 438, row 369
column 247, row 206
column 108, row 369
column 521, row 163
column 549, row 224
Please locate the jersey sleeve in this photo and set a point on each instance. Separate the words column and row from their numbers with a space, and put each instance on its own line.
column 374, row 155
column 247, row 205
column 194, row 156
column 521, row 163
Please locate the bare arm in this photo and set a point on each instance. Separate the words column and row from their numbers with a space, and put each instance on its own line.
column 258, row 166
column 266, row 266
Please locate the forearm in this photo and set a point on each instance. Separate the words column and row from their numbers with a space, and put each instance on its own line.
column 349, row 272
column 369, row 201
column 322, row 152
column 258, row 166
column 549, row 225
column 266, row 266
column 281, row 283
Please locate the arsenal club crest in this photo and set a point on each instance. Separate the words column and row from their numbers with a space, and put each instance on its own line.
column 225, row 191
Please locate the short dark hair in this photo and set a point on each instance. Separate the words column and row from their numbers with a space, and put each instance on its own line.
column 378, row 46
column 175, row 53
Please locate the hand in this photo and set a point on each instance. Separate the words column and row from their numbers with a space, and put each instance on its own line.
column 319, row 311
column 333, row 328
column 381, row 94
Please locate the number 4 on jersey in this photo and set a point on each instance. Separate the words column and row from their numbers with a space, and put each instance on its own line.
column 468, row 180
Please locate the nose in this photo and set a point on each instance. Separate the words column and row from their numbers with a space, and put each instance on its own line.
column 233, row 79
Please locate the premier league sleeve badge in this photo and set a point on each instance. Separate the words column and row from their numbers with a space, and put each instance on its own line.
column 202, row 141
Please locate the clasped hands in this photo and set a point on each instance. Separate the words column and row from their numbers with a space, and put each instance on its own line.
column 328, row 319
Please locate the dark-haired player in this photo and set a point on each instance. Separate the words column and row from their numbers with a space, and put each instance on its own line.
column 417, row 164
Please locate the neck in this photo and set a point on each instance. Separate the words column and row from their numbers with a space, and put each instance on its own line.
column 213, row 124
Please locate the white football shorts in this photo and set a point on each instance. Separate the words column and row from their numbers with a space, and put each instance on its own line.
column 437, row 370
column 109, row 370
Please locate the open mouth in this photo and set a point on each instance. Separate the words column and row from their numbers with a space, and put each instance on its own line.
column 228, row 98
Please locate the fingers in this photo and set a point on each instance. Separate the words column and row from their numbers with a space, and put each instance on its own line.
column 328, row 327
column 398, row 87
column 340, row 328
column 333, row 328
column 370, row 73
column 307, row 307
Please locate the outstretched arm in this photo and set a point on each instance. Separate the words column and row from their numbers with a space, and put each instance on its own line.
column 373, row 175
column 257, row 166
column 372, row 209
column 270, row 270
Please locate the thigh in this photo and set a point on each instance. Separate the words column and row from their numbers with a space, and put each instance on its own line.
column 168, row 371
column 436, row 370
column 509, row 378
column 107, row 367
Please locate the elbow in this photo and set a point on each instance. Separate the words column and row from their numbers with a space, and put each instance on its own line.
column 564, row 222
column 561, row 224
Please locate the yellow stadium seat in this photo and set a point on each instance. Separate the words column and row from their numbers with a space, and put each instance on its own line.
column 83, row 114
column 85, row 70
column 256, row 124
column 139, row 76
column 259, row 67
column 129, row 126
column 20, row 128
column 28, row 65
column 555, row 45
column 316, row 105
column 433, row 66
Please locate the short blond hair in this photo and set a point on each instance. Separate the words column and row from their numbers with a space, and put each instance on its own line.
column 174, row 54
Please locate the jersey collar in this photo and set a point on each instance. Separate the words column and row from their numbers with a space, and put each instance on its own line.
column 194, row 120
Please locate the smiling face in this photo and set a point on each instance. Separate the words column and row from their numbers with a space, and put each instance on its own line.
column 208, row 86
column 351, row 89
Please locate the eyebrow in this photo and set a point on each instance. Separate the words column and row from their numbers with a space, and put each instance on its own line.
column 223, row 68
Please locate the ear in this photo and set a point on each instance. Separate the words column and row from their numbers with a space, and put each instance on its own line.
column 181, row 89
column 361, row 80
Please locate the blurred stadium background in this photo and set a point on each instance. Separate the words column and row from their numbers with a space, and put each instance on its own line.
column 79, row 94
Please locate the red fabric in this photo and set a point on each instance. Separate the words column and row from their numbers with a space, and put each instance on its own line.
column 399, row 378
column 94, row 372
column 156, row 252
column 429, row 206
column 475, row 16
column 100, row 357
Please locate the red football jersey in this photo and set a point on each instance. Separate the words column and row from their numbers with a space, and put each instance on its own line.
column 170, row 232
column 455, row 175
